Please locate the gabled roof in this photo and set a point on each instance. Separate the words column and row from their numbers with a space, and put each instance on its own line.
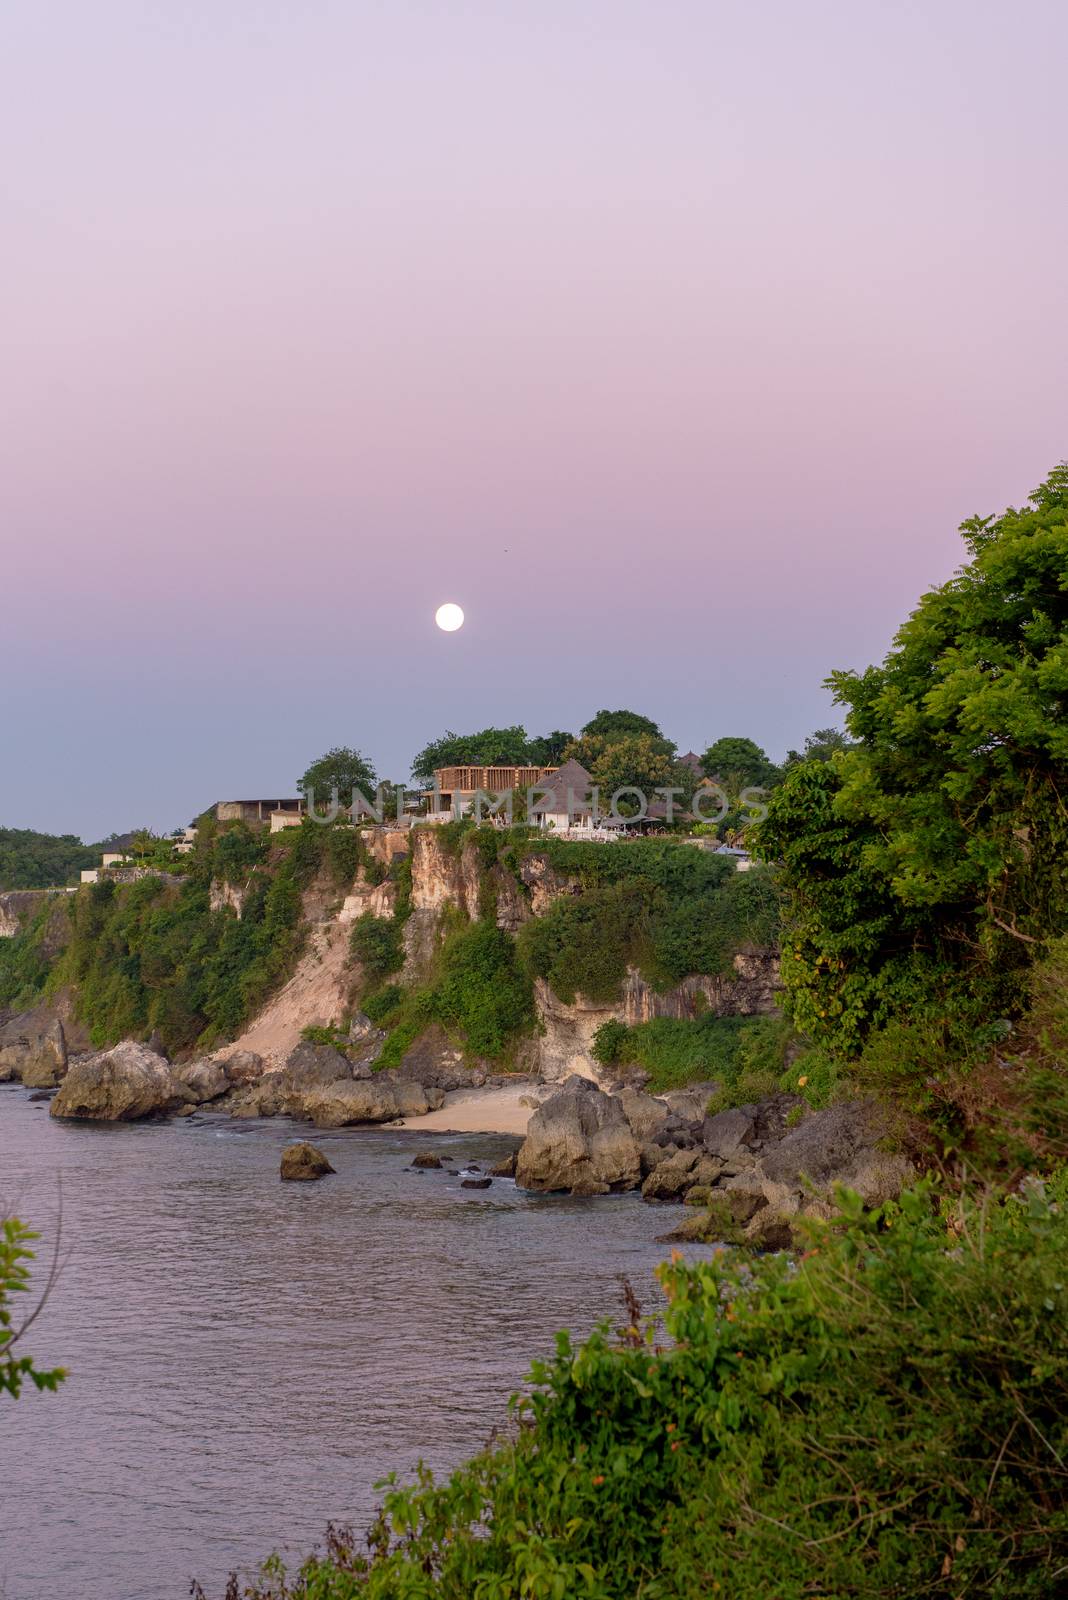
column 693, row 761
column 121, row 845
column 552, row 791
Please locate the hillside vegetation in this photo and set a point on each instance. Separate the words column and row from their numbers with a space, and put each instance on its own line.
column 31, row 860
column 154, row 956
column 656, row 905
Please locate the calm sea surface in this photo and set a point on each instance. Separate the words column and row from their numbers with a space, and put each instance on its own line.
column 247, row 1357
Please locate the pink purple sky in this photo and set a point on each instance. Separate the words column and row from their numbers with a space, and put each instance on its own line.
column 671, row 338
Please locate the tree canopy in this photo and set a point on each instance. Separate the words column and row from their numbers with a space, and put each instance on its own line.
column 821, row 746
column 929, row 865
column 490, row 747
column 615, row 725
column 740, row 764
column 31, row 860
column 342, row 769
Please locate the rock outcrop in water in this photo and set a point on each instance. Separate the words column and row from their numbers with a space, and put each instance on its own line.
column 303, row 1163
column 323, row 1086
column 579, row 1141
column 747, row 1166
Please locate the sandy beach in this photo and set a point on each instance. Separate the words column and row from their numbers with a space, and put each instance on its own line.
column 493, row 1110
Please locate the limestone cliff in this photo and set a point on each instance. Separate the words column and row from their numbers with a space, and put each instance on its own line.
column 443, row 877
column 565, row 1041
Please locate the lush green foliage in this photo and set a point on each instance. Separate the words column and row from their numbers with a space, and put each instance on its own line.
column 153, row 956
column 927, row 865
column 994, row 1102
column 667, row 909
column 584, row 943
column 475, row 989
column 30, row 860
column 342, row 769
column 632, row 761
column 26, row 957
column 886, row 1417
column 490, row 747
column 482, row 990
column 746, row 1056
column 15, row 1257
column 823, row 745
column 377, row 943
column 615, row 725
column 739, row 764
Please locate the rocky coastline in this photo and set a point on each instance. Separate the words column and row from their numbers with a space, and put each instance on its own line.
column 746, row 1174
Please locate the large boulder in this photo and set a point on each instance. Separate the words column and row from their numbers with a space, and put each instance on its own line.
column 841, row 1144
column 117, row 1085
column 729, row 1131
column 690, row 1103
column 579, row 1141
column 685, row 1170
column 243, row 1067
column 33, row 1048
column 310, row 1070
column 301, row 1163
column 201, row 1080
column 380, row 1098
column 645, row 1114
column 312, row 1066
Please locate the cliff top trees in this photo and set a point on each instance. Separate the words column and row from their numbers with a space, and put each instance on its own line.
column 342, row 769
column 739, row 764
column 929, row 865
column 616, row 725
column 489, row 747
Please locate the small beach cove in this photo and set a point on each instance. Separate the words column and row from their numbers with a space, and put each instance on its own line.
column 291, row 1343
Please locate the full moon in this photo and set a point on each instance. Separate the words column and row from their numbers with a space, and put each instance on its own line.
column 449, row 617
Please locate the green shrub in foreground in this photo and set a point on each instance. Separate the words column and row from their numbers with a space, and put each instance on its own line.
column 886, row 1417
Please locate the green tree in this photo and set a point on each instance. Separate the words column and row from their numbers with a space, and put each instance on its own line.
column 142, row 843
column 342, row 769
column 740, row 764
column 635, row 761
column 929, row 865
column 548, row 750
column 490, row 747
column 615, row 725
column 15, row 1256
column 822, row 745
column 31, row 860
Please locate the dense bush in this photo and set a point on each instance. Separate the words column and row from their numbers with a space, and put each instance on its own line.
column 887, row 1417
column 745, row 1055
column 675, row 920
column 31, row 860
column 995, row 1103
column 482, row 991
column 377, row 943
column 153, row 955
column 25, row 961
column 475, row 989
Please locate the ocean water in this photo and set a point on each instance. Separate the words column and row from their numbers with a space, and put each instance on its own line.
column 248, row 1357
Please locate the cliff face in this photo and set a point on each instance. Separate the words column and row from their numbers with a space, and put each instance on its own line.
column 443, row 878
column 222, row 894
column 565, row 1043
column 17, row 906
